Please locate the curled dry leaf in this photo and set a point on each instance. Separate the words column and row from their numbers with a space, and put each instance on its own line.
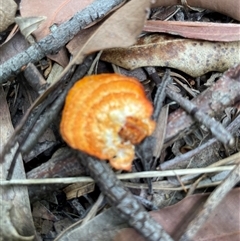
column 105, row 115
column 8, row 10
column 196, row 30
column 29, row 24
column 15, row 214
column 194, row 57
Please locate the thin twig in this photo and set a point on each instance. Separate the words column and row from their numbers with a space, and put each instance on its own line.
column 149, row 174
column 93, row 211
column 216, row 127
column 184, row 158
column 146, row 149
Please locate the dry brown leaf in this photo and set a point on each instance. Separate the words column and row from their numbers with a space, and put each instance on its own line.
column 119, row 30
column 8, row 10
column 230, row 8
column 14, row 46
column 194, row 57
column 81, row 38
column 196, row 30
column 56, row 12
column 223, row 224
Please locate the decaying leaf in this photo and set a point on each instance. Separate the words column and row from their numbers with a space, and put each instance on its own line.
column 16, row 45
column 196, row 30
column 15, row 214
column 194, row 57
column 223, row 224
column 8, row 10
column 160, row 131
column 119, row 30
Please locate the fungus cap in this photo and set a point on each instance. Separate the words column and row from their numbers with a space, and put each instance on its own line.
column 105, row 116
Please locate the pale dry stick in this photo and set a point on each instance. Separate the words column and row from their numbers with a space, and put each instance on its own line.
column 150, row 174
column 158, row 186
column 81, row 222
column 97, row 10
column 216, row 127
column 212, row 202
column 234, row 158
column 93, row 211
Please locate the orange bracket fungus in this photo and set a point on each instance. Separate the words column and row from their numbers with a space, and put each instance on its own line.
column 105, row 116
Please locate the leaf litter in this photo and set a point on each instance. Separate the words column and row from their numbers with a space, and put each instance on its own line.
column 92, row 43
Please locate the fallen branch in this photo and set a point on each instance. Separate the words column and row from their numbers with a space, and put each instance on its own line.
column 53, row 42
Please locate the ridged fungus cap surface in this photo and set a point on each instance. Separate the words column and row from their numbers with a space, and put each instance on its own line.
column 105, row 116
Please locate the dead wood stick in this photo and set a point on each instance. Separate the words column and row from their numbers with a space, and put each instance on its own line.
column 184, row 158
column 213, row 101
column 54, row 41
column 119, row 197
column 217, row 129
column 41, row 119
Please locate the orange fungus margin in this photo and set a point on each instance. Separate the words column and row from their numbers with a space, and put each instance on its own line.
column 105, row 116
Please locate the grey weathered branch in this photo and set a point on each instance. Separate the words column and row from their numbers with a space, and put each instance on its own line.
column 120, row 198
column 54, row 41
